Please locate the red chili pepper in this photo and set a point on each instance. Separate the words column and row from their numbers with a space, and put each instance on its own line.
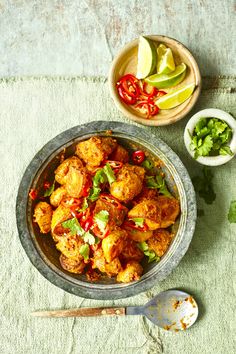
column 46, row 185
column 160, row 94
column 144, row 92
column 86, row 188
column 71, row 202
column 129, row 83
column 138, row 157
column 87, row 224
column 125, row 97
column 116, row 165
column 109, row 199
column 153, row 109
column 99, row 233
column 33, row 194
column 131, row 225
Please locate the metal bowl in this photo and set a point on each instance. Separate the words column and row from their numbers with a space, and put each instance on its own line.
column 41, row 249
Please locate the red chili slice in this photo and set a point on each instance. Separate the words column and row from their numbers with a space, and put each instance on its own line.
column 87, row 223
column 160, row 94
column 114, row 164
column 138, row 157
column 86, row 188
column 109, row 199
column 125, row 97
column 131, row 225
column 99, row 233
column 71, row 202
column 143, row 91
column 33, row 194
column 46, row 185
column 129, row 83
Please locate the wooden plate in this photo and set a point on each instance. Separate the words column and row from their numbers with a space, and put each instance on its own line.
column 126, row 62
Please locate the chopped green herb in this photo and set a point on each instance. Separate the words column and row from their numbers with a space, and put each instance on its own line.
column 94, row 193
column 109, row 173
column 74, row 226
column 138, row 221
column 99, row 178
column 204, row 186
column 49, row 191
column 210, row 138
column 157, row 182
column 102, row 219
column 84, row 251
column 148, row 164
column 232, row 212
column 143, row 246
column 89, row 238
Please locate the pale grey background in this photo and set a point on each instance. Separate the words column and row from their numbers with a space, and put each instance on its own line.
column 52, row 37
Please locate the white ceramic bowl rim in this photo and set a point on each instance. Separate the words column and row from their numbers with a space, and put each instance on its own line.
column 211, row 113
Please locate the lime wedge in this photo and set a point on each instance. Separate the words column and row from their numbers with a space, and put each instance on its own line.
column 168, row 80
column 147, row 58
column 165, row 63
column 176, row 97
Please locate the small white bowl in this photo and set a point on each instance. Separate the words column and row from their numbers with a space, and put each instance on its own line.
column 211, row 113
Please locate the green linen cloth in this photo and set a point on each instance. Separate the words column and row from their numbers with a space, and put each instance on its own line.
column 34, row 110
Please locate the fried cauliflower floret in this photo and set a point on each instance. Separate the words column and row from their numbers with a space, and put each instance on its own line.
column 59, row 215
column 131, row 272
column 113, row 267
column 95, row 150
column 149, row 210
column 113, row 244
column 131, row 251
column 170, row 209
column 43, row 216
column 160, row 241
column 76, row 181
column 129, row 183
column 69, row 245
column 57, row 196
column 116, row 216
column 137, row 235
column 63, row 169
column 120, row 154
column 71, row 265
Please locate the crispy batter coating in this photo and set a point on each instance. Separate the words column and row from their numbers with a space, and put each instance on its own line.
column 113, row 244
column 113, row 268
column 95, row 150
column 71, row 265
column 129, row 183
column 146, row 193
column 131, row 251
column 57, row 196
column 43, row 216
column 61, row 214
column 160, row 241
column 63, row 169
column 69, row 245
column 149, row 210
column 116, row 215
column 170, row 209
column 131, row 272
column 137, row 235
column 76, row 181
column 99, row 262
column 120, row 154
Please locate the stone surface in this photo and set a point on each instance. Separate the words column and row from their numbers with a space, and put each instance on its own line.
column 60, row 37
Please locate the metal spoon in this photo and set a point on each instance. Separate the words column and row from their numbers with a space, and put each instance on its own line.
column 172, row 310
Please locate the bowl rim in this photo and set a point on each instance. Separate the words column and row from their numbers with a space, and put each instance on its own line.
column 211, row 113
column 151, row 122
column 37, row 259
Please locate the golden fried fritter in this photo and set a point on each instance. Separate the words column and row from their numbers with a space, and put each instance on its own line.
column 43, row 216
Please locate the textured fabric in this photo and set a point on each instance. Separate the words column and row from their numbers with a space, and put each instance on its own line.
column 34, row 110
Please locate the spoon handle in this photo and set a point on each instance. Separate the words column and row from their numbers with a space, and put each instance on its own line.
column 82, row 312
column 134, row 310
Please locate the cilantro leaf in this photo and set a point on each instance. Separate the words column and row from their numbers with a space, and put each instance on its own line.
column 138, row 221
column 99, row 178
column 84, row 251
column 200, row 125
column 49, row 191
column 89, row 238
column 205, row 147
column 225, row 150
column 143, row 246
column 159, row 183
column 74, row 226
column 109, row 173
column 204, row 186
column 94, row 193
column 102, row 219
column 232, row 212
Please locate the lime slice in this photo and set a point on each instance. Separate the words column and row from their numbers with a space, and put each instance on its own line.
column 168, row 80
column 147, row 58
column 166, row 63
column 176, row 97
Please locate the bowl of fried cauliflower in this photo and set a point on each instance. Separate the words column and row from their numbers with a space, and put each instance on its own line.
column 105, row 210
